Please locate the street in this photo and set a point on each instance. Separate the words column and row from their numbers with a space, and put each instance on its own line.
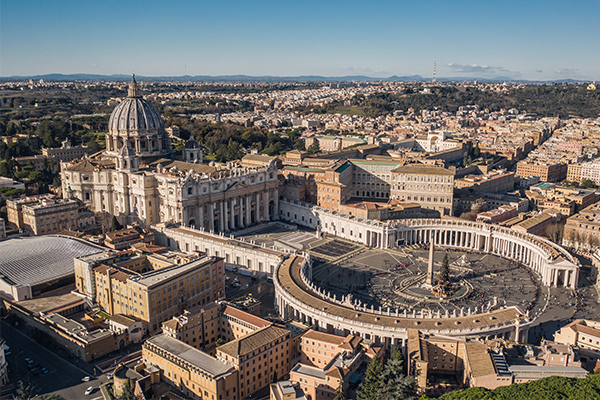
column 62, row 378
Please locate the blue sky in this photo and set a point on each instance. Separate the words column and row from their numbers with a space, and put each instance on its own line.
column 522, row 39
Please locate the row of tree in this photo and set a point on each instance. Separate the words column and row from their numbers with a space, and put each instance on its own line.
column 578, row 240
column 554, row 387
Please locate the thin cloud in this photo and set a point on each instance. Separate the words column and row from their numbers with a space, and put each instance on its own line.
column 479, row 69
column 364, row 71
column 539, row 71
column 567, row 73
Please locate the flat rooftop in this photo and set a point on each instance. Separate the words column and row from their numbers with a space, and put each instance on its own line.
column 187, row 353
column 162, row 275
column 31, row 260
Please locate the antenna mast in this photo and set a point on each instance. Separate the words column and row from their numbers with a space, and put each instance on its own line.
column 434, row 67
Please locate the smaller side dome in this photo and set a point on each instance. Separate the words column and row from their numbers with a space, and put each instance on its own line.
column 192, row 144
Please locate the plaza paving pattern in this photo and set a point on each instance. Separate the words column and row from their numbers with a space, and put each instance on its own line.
column 371, row 276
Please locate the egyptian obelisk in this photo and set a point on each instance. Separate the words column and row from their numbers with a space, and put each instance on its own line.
column 429, row 280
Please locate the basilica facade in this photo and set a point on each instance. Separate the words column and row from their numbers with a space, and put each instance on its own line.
column 138, row 180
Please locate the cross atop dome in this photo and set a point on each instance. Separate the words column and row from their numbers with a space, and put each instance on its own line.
column 133, row 88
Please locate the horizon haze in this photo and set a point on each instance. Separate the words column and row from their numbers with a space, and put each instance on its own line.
column 533, row 41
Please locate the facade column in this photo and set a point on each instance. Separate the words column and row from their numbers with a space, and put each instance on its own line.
column 200, row 217
column 248, row 219
column 221, row 217
column 211, row 216
column 225, row 217
column 266, row 202
column 241, row 213
column 232, row 227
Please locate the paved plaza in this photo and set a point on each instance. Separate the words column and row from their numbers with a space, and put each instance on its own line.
column 374, row 277
column 394, row 278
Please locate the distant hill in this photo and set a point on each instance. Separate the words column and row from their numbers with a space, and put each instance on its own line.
column 246, row 78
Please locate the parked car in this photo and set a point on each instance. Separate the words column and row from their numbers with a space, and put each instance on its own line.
column 85, row 379
column 89, row 391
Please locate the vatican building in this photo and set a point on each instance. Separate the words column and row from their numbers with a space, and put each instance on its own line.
column 138, row 179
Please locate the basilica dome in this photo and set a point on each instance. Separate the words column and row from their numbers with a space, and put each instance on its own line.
column 137, row 123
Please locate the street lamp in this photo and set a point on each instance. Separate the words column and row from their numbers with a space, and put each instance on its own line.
column 17, row 361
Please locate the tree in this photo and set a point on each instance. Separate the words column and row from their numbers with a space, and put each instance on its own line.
column 594, row 241
column 369, row 389
column 587, row 183
column 339, row 393
column 476, row 151
column 115, row 225
column 24, row 392
column 591, row 241
column 127, row 393
column 571, row 237
column 313, row 149
column 397, row 355
column 444, row 269
column 395, row 384
column 555, row 233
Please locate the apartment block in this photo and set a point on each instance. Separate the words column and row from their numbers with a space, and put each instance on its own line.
column 547, row 172
column 153, row 296
column 202, row 326
column 43, row 215
column 125, row 238
column 430, row 186
column 195, row 373
column 260, row 357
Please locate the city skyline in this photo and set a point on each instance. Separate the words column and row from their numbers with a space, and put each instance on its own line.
column 523, row 41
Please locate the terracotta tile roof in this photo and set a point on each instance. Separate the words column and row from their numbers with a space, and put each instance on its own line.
column 479, row 359
column 335, row 372
column 128, row 232
column 423, row 170
column 114, row 273
column 254, row 341
column 83, row 166
column 246, row 317
column 587, row 330
column 323, row 337
column 350, row 342
column 148, row 248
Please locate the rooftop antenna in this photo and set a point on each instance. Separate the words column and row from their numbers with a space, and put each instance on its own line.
column 434, row 65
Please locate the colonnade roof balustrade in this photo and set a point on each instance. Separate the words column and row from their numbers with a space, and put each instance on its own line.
column 288, row 277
